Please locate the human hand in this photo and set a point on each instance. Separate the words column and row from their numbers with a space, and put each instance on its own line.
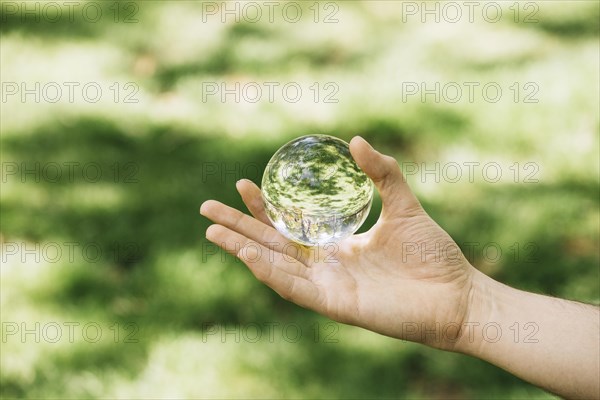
column 402, row 278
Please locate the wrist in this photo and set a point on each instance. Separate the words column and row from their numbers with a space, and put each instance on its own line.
column 480, row 310
column 462, row 330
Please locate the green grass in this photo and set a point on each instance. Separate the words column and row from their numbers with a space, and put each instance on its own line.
column 156, row 274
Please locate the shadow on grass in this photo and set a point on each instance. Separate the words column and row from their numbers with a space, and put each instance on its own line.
column 157, row 210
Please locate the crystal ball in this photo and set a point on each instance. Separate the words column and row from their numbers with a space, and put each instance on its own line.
column 314, row 192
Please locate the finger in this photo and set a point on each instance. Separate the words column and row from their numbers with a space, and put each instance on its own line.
column 288, row 277
column 252, row 197
column 396, row 196
column 253, row 229
column 237, row 245
column 292, row 288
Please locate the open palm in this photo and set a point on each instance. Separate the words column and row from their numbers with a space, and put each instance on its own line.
column 404, row 278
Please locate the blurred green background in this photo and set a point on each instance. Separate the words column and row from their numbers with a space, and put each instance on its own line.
column 177, row 318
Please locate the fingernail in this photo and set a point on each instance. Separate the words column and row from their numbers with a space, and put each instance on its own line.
column 207, row 232
column 202, row 208
column 364, row 140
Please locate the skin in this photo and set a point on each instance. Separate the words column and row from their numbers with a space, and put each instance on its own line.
column 406, row 278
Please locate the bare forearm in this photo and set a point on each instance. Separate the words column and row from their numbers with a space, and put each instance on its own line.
column 550, row 342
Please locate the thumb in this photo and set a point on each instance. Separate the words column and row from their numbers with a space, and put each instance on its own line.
column 396, row 196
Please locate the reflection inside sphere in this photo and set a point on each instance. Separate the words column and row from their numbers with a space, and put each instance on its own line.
column 314, row 192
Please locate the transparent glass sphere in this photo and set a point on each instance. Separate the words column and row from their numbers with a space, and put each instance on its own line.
column 314, row 192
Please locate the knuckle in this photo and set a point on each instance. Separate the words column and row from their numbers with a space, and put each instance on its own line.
column 390, row 162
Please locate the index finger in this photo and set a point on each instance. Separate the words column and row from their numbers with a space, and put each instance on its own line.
column 252, row 228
